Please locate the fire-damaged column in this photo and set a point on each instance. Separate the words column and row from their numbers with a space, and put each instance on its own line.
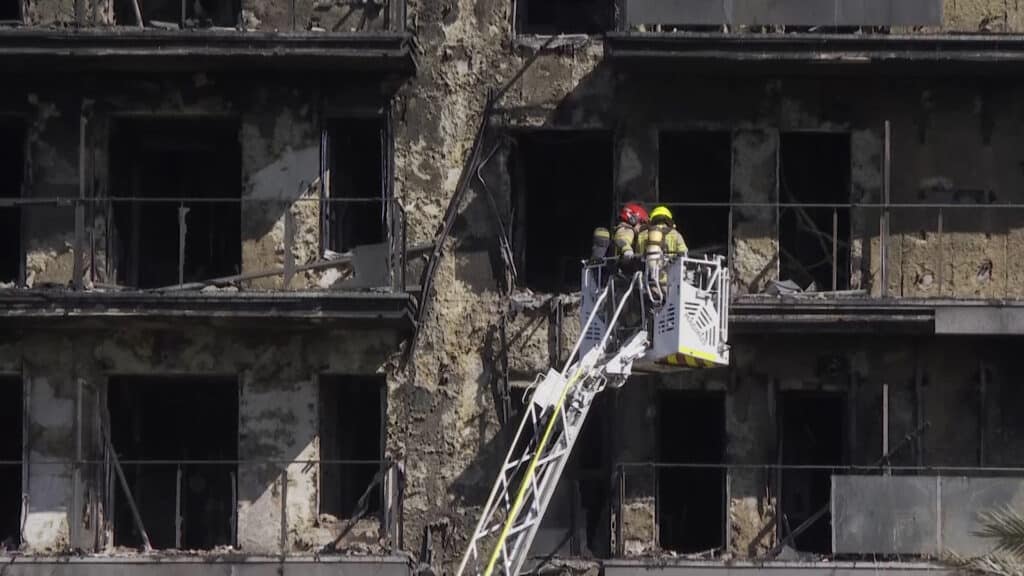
column 636, row 415
column 276, row 499
column 866, row 149
column 755, row 245
column 281, row 164
column 48, row 229
column 50, row 444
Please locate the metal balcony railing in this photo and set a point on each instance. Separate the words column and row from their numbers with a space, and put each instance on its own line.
column 728, row 15
column 195, row 504
column 331, row 16
column 926, row 250
column 102, row 243
column 911, row 512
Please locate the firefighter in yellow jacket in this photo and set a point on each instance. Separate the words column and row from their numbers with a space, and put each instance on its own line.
column 660, row 238
column 662, row 234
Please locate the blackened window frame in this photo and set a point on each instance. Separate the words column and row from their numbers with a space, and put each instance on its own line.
column 126, row 215
column 525, row 231
column 521, row 26
column 328, row 234
column 16, row 213
column 377, row 504
column 17, row 500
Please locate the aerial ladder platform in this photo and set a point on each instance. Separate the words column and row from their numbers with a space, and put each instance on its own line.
column 671, row 318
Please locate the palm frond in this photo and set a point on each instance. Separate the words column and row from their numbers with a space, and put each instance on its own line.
column 1006, row 526
column 995, row 563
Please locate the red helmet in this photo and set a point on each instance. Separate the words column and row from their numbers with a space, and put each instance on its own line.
column 633, row 214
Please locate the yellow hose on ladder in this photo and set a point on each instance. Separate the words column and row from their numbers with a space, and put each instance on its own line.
column 521, row 493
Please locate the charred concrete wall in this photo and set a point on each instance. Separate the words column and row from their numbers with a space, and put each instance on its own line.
column 248, row 15
column 279, row 135
column 974, row 242
column 986, row 16
column 443, row 419
column 960, row 386
column 565, row 89
column 456, row 375
column 67, row 376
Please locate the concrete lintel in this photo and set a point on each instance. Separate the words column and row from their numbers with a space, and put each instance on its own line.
column 979, row 320
column 372, row 307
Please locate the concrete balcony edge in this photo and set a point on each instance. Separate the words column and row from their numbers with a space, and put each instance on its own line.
column 375, row 308
column 133, row 49
column 205, row 565
column 675, row 567
column 925, row 54
column 755, row 314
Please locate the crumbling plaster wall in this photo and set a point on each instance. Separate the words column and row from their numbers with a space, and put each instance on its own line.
column 959, row 146
column 278, row 418
column 52, row 159
column 281, row 162
column 444, row 417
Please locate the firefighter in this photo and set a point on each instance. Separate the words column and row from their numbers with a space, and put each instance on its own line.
column 663, row 234
column 659, row 239
column 632, row 219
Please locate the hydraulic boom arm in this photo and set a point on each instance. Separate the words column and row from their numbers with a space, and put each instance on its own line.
column 542, row 446
column 688, row 325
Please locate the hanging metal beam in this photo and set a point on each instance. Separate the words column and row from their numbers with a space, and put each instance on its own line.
column 127, row 490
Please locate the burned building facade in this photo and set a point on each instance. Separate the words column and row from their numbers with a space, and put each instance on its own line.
column 277, row 277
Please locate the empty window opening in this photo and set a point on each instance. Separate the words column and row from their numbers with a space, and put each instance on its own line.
column 11, row 413
column 352, row 442
column 355, row 214
column 696, row 167
column 593, row 463
column 564, row 16
column 10, row 10
column 12, row 168
column 182, row 13
column 170, row 159
column 176, row 418
column 811, row 426
column 563, row 190
column 691, row 501
column 814, row 168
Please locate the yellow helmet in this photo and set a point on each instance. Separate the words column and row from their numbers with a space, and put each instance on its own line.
column 662, row 211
